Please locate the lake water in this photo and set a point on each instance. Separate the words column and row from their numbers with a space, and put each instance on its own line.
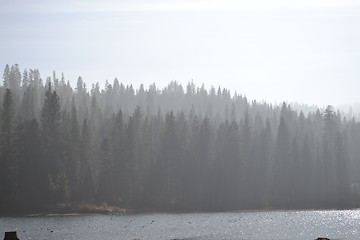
column 197, row 226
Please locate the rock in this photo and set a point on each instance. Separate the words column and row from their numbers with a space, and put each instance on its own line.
column 10, row 236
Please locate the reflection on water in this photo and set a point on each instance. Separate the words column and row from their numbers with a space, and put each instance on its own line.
column 196, row 226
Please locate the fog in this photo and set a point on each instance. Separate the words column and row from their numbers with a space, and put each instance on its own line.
column 179, row 106
column 177, row 148
column 268, row 50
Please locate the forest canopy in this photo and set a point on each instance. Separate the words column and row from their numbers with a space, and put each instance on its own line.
column 176, row 148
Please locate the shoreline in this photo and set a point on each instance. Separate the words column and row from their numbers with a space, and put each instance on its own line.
column 117, row 212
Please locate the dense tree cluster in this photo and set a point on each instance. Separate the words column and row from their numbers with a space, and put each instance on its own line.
column 174, row 149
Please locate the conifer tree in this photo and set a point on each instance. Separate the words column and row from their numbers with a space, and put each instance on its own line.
column 282, row 189
column 50, row 124
column 8, row 162
column 32, row 176
column 6, row 77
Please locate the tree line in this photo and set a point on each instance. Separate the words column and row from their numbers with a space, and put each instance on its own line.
column 171, row 149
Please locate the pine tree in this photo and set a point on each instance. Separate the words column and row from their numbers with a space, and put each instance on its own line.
column 167, row 178
column 106, row 182
column 6, row 77
column 8, row 169
column 342, row 178
column 134, row 155
column 33, row 179
column 74, row 166
column 328, row 161
column 87, row 187
column 281, row 185
column 50, row 124
column 120, row 166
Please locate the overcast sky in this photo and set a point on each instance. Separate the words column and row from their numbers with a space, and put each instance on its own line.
column 304, row 51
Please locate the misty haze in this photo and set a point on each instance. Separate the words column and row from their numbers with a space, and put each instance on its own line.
column 184, row 120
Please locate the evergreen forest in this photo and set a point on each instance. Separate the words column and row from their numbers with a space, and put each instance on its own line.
column 179, row 148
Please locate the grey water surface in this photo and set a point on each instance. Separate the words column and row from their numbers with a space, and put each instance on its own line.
column 344, row 224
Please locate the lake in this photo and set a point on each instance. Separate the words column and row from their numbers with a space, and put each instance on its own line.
column 344, row 224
